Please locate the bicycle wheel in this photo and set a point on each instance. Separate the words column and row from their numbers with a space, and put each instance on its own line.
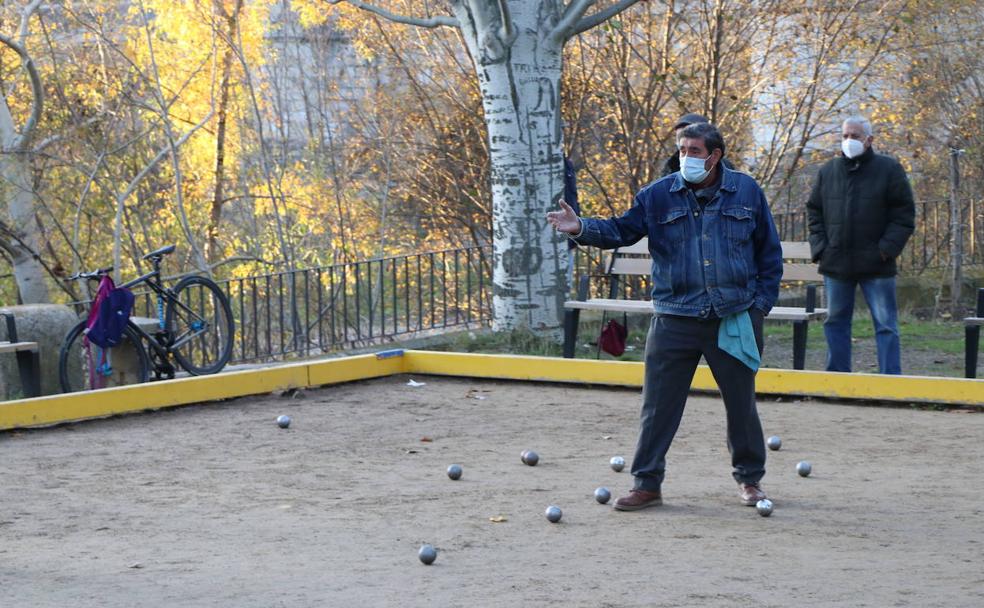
column 82, row 369
column 200, row 325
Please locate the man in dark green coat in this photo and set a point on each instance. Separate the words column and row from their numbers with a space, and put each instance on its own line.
column 861, row 214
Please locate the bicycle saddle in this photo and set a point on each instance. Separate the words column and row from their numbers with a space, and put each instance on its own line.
column 157, row 253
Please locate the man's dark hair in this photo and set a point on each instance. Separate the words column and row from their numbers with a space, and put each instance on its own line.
column 689, row 119
column 708, row 133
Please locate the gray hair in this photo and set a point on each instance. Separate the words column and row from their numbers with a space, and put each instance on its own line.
column 706, row 132
column 862, row 122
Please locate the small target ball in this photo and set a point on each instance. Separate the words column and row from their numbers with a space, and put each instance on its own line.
column 530, row 457
column 602, row 495
column 764, row 507
column 617, row 463
column 554, row 514
column 427, row 554
column 283, row 421
column 774, row 442
column 804, row 468
column 454, row 471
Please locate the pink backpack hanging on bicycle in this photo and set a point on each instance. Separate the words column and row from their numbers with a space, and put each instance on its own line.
column 104, row 327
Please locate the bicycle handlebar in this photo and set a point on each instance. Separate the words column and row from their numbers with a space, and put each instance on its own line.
column 93, row 274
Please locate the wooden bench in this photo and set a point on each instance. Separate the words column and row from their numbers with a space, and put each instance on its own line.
column 972, row 336
column 28, row 358
column 634, row 260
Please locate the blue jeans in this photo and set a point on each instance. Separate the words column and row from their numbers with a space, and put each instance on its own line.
column 879, row 293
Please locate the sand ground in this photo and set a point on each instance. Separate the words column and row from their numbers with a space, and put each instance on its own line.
column 214, row 505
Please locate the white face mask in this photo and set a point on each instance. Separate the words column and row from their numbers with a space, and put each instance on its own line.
column 692, row 169
column 852, row 148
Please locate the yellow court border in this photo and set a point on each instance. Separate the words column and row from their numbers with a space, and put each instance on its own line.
column 55, row 409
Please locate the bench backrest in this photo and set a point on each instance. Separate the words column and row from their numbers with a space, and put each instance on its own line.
column 635, row 260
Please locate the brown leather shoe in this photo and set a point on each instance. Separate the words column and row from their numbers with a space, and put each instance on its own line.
column 638, row 499
column 751, row 493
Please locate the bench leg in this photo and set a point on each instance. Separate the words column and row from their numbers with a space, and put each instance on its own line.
column 972, row 338
column 800, row 329
column 29, row 366
column 571, row 318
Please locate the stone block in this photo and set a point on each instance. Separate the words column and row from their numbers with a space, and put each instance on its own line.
column 47, row 325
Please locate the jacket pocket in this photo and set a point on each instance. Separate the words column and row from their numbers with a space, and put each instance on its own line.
column 867, row 260
column 671, row 225
column 739, row 222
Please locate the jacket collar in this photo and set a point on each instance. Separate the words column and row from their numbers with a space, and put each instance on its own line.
column 729, row 180
column 859, row 160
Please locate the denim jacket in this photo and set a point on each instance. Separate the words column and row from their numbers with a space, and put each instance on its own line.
column 716, row 262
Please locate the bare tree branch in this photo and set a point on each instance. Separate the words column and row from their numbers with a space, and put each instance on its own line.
column 240, row 258
column 25, row 21
column 23, row 140
column 161, row 155
column 506, row 30
column 597, row 18
column 432, row 22
column 58, row 137
column 572, row 14
column 8, row 236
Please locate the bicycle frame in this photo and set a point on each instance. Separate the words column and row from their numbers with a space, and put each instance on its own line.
column 165, row 297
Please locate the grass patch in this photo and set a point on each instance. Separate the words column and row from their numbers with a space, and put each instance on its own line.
column 916, row 335
column 519, row 341
column 928, row 347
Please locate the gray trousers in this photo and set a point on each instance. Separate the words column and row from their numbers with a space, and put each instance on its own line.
column 673, row 349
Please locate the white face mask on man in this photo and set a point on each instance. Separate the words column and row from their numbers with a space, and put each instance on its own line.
column 692, row 169
column 852, row 148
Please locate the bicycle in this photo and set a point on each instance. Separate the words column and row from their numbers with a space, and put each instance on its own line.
column 194, row 325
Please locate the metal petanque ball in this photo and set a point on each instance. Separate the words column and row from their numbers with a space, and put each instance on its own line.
column 454, row 471
column 804, row 468
column 283, row 421
column 774, row 442
column 617, row 463
column 554, row 514
column 427, row 554
column 602, row 495
column 764, row 507
column 530, row 457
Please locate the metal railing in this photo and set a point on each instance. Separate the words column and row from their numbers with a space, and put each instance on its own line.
column 317, row 310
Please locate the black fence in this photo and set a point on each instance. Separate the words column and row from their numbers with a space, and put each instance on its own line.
column 317, row 310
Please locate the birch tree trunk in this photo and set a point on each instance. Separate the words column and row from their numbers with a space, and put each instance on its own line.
column 24, row 243
column 521, row 101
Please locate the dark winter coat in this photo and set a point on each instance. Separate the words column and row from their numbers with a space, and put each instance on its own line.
column 861, row 213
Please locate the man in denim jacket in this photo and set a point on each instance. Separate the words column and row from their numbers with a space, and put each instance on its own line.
column 716, row 260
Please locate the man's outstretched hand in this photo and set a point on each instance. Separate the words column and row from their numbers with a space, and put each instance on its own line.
column 564, row 220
